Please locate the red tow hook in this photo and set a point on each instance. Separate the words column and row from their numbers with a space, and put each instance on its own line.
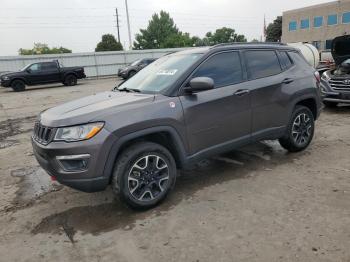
column 53, row 178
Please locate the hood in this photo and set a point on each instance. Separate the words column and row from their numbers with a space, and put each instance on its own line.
column 92, row 108
column 8, row 74
column 341, row 49
column 125, row 68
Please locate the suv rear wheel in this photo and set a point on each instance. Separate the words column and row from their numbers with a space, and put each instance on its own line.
column 300, row 130
column 18, row 85
column 70, row 80
column 144, row 174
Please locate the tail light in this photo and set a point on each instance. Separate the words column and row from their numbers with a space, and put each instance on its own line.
column 318, row 77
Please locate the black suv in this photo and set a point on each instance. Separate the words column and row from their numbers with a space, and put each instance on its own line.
column 184, row 107
column 134, row 67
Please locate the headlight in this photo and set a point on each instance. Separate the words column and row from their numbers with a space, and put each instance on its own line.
column 5, row 78
column 78, row 133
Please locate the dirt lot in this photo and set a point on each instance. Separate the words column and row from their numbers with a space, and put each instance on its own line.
column 256, row 204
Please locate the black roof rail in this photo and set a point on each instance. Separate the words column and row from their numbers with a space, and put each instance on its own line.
column 248, row 43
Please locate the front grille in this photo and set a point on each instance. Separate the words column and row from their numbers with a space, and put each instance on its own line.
column 340, row 84
column 43, row 134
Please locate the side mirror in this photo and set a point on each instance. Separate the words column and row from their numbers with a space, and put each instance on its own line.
column 29, row 70
column 199, row 84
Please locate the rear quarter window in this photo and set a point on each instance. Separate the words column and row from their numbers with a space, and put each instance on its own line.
column 285, row 60
column 262, row 63
column 298, row 58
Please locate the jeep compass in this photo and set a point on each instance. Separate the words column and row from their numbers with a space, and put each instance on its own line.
column 183, row 107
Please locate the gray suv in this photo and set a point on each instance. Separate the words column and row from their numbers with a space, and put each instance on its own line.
column 184, row 107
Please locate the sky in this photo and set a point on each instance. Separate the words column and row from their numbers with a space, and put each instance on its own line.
column 79, row 24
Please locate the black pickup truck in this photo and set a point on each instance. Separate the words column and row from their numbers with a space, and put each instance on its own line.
column 42, row 73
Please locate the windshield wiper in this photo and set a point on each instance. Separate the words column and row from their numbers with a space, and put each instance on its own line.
column 126, row 89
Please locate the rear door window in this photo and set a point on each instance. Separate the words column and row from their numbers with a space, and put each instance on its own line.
column 262, row 63
column 48, row 66
column 224, row 68
column 286, row 63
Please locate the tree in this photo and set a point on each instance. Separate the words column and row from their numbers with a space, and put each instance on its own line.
column 108, row 43
column 161, row 32
column 196, row 41
column 40, row 48
column 223, row 35
column 274, row 30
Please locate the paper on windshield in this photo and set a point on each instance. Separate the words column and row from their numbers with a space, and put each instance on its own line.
column 167, row 72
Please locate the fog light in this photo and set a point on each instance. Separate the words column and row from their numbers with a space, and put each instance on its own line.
column 74, row 163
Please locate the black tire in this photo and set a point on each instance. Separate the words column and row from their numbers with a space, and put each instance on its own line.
column 330, row 104
column 299, row 136
column 70, row 80
column 131, row 74
column 18, row 85
column 147, row 187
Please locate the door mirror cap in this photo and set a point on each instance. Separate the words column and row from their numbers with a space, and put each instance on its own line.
column 199, row 84
column 29, row 71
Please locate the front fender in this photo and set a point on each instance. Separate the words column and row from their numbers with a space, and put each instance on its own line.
column 19, row 78
column 118, row 144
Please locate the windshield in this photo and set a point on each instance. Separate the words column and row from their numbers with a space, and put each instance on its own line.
column 135, row 63
column 160, row 74
column 24, row 68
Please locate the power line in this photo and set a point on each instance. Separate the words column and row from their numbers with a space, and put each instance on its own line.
column 52, row 17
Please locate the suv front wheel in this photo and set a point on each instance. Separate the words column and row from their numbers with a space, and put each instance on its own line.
column 18, row 85
column 300, row 130
column 144, row 174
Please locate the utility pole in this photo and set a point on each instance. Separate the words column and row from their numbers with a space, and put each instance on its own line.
column 128, row 21
column 116, row 13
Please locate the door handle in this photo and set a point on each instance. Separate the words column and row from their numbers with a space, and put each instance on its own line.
column 242, row 92
column 287, row 81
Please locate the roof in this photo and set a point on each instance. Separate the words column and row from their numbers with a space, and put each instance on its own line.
column 196, row 50
column 250, row 45
column 226, row 46
column 307, row 8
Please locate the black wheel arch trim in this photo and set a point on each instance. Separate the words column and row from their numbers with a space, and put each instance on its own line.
column 304, row 97
column 70, row 73
column 120, row 141
column 19, row 78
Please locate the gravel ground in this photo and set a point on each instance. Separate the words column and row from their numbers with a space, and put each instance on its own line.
column 258, row 203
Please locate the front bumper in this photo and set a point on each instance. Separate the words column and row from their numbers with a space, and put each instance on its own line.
column 330, row 95
column 123, row 74
column 5, row 83
column 94, row 177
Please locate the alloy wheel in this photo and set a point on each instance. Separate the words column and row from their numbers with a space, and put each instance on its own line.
column 148, row 178
column 301, row 130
